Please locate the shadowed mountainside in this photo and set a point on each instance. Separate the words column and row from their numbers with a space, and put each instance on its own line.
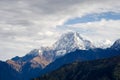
column 7, row 72
column 105, row 69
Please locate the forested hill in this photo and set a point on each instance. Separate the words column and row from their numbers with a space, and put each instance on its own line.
column 105, row 69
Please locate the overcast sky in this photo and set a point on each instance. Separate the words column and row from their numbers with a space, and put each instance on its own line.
column 29, row 24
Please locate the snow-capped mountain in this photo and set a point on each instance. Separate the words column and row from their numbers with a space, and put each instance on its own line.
column 116, row 45
column 69, row 42
column 66, row 43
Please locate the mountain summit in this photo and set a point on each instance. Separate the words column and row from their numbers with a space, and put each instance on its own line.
column 71, row 41
column 68, row 42
column 116, row 44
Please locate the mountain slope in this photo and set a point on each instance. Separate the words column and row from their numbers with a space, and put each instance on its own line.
column 29, row 65
column 8, row 73
column 80, row 55
column 105, row 69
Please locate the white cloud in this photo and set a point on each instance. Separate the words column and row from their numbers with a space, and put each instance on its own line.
column 98, row 30
column 28, row 24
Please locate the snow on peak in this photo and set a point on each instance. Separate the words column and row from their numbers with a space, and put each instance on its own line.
column 117, row 41
column 71, row 41
column 39, row 52
column 102, row 44
column 35, row 52
column 116, row 44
